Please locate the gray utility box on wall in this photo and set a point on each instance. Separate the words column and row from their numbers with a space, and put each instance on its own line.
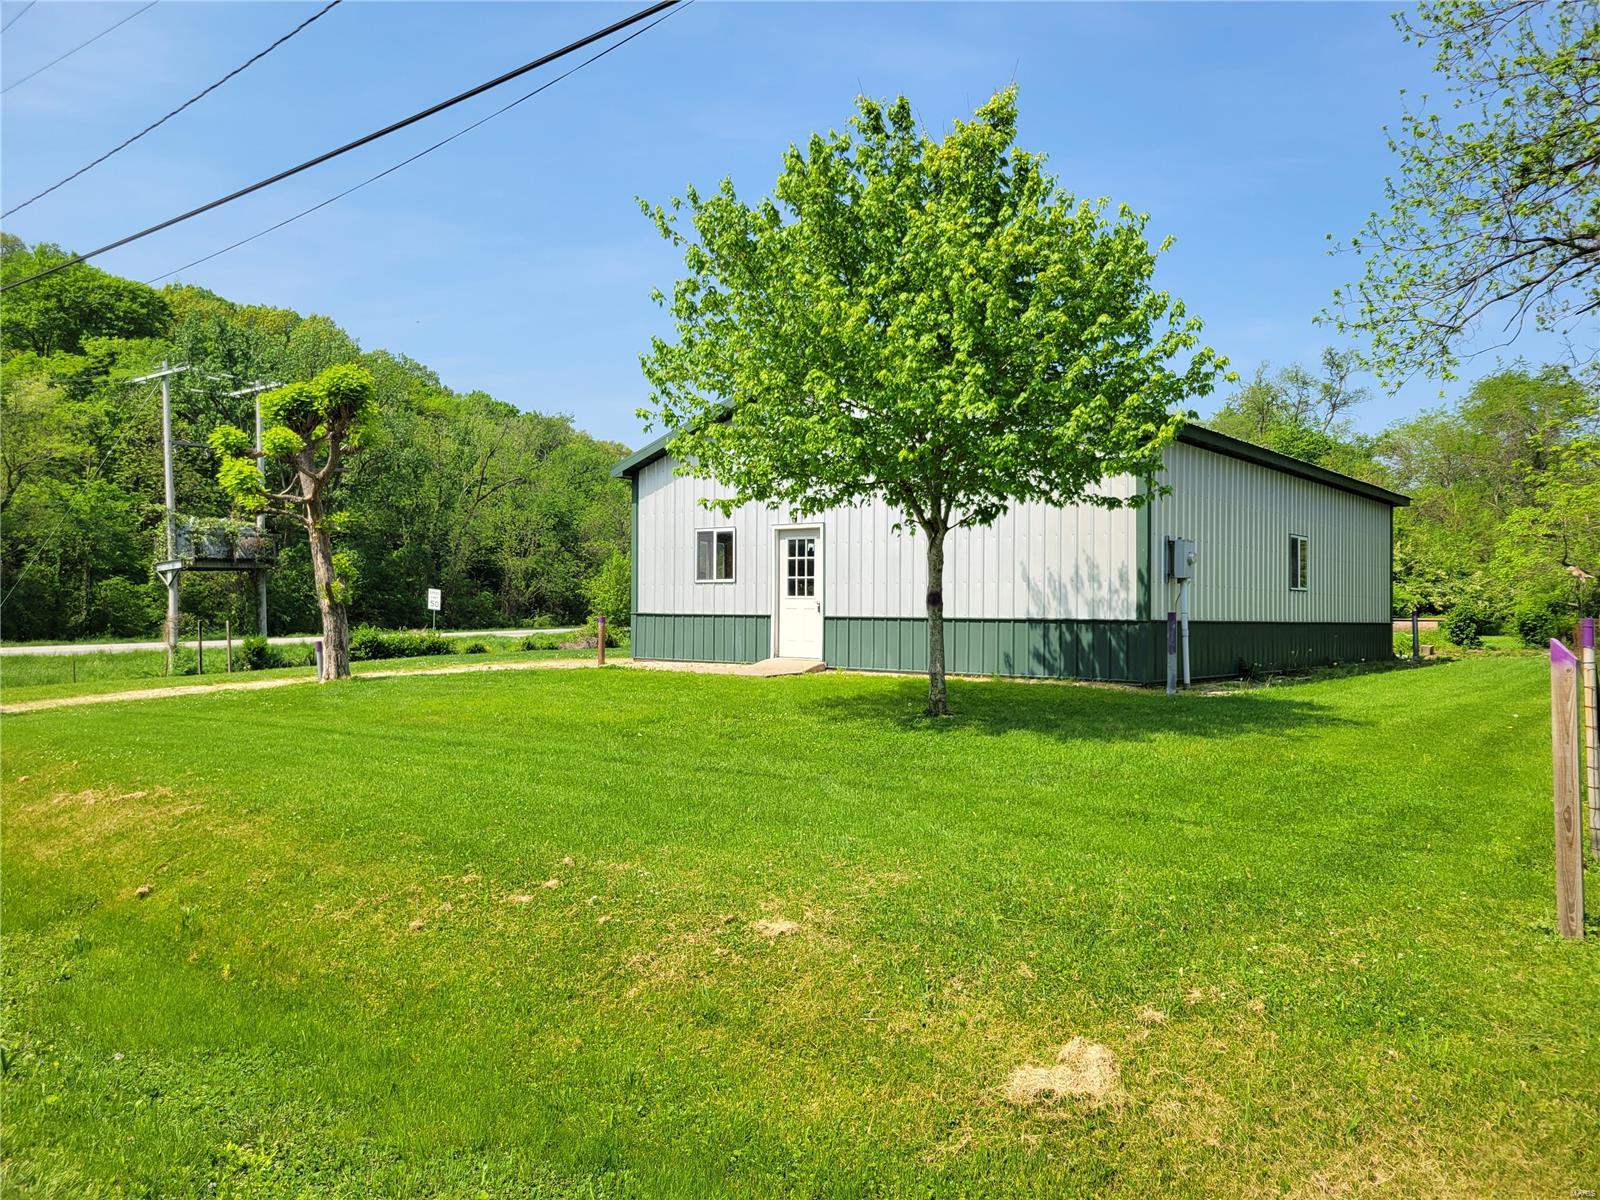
column 1180, row 558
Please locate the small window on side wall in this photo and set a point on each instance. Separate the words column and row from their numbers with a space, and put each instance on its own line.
column 1299, row 562
column 713, row 556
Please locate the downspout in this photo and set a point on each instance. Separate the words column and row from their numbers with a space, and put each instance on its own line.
column 1183, row 624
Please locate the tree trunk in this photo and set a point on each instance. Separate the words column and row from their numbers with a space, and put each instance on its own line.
column 335, row 621
column 938, row 700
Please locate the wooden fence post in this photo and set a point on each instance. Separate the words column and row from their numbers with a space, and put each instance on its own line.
column 227, row 631
column 1591, row 731
column 199, row 648
column 600, row 641
column 1564, row 762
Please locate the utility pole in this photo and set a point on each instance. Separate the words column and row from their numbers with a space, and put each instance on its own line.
column 261, row 524
column 255, row 390
column 170, row 568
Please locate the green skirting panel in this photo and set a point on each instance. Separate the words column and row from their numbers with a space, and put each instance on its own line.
column 1129, row 651
column 1118, row 650
column 701, row 638
column 1223, row 648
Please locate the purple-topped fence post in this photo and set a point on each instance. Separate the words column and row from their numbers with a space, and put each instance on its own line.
column 1591, row 731
column 1564, row 769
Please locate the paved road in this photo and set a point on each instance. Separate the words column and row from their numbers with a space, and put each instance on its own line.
column 219, row 643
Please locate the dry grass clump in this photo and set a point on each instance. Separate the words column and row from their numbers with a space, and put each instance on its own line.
column 774, row 927
column 1083, row 1070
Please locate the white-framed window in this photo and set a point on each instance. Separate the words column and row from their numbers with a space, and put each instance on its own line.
column 1299, row 562
column 713, row 556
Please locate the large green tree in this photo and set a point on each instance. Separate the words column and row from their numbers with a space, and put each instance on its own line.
column 1504, row 494
column 1494, row 207
column 933, row 321
column 1301, row 412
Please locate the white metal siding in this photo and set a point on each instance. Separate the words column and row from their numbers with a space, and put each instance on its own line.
column 1035, row 561
column 1240, row 516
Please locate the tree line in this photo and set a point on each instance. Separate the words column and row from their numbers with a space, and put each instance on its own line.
column 512, row 514
column 1505, row 483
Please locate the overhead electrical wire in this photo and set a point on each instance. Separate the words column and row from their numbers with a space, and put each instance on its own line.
column 419, row 154
column 75, row 49
column 157, row 124
column 18, row 17
column 365, row 139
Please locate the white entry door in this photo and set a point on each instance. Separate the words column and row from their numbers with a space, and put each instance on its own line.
column 799, row 593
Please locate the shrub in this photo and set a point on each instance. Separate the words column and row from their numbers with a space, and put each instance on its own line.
column 475, row 648
column 540, row 641
column 256, row 655
column 1536, row 624
column 368, row 644
column 1464, row 625
column 610, row 591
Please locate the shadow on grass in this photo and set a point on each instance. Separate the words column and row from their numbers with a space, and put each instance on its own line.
column 1289, row 678
column 1077, row 712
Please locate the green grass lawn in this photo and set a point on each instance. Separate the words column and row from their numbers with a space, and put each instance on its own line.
column 625, row 933
column 48, row 676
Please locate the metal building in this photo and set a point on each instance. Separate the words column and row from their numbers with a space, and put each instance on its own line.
column 1291, row 568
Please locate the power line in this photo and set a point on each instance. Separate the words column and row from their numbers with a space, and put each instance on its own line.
column 157, row 124
column 18, row 17
column 75, row 49
column 419, row 154
column 542, row 60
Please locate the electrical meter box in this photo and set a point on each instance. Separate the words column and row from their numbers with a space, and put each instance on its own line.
column 1180, row 558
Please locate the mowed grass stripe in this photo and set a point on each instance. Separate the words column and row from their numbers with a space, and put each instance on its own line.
column 1341, row 912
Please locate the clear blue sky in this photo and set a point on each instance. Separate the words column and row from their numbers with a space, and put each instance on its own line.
column 515, row 260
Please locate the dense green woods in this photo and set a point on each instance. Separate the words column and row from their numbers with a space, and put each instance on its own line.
column 1505, row 484
column 512, row 514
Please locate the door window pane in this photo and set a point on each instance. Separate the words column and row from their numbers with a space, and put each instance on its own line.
column 800, row 566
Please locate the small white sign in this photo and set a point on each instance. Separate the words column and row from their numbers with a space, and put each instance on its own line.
column 433, row 599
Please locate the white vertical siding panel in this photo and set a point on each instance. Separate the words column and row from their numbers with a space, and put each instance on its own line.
column 1241, row 516
column 1040, row 561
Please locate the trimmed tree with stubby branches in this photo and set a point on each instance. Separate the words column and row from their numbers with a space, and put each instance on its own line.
column 309, row 430
column 933, row 321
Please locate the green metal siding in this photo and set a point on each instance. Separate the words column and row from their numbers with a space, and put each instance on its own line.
column 1113, row 650
column 1122, row 651
column 1220, row 648
column 1127, row 651
column 702, row 638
